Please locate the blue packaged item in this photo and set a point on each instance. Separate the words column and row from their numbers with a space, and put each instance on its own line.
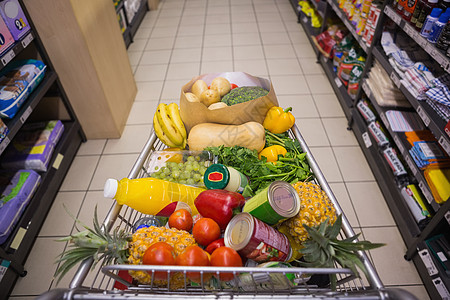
column 429, row 22
column 17, row 82
column 17, row 189
column 437, row 28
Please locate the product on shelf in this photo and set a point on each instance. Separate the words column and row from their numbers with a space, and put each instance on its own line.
column 33, row 146
column 394, row 162
column 438, row 97
column 438, row 179
column 3, row 130
column 327, row 40
column 17, row 82
column 410, row 193
column 354, row 59
column 122, row 21
column 401, row 121
column 440, row 248
column 6, row 39
column 131, row 8
column 316, row 19
column 425, row 11
column 14, row 18
column 366, row 110
column 438, row 27
column 431, row 19
column 17, row 189
column 378, row 133
column 425, row 149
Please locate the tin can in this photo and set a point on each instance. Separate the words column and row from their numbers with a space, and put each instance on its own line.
column 276, row 202
column 219, row 176
column 256, row 240
column 146, row 222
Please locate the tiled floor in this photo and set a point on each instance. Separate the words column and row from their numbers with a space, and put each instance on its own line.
column 185, row 38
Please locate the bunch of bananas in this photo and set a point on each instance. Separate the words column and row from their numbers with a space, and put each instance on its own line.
column 168, row 125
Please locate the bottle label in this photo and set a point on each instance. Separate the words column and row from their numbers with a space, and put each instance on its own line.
column 435, row 32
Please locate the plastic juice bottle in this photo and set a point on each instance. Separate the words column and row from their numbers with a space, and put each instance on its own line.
column 426, row 10
column 152, row 196
column 429, row 22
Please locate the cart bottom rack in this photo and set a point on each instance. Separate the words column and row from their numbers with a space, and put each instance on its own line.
column 248, row 282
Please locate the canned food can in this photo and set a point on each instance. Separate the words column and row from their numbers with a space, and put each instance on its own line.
column 219, row 176
column 146, row 222
column 276, row 202
column 256, row 240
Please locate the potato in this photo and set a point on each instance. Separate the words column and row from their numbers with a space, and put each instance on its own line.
column 222, row 85
column 191, row 97
column 217, row 105
column 199, row 87
column 209, row 97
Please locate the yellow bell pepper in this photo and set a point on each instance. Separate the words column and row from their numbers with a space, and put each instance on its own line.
column 272, row 152
column 278, row 120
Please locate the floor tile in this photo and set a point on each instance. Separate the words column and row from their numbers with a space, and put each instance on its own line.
column 304, row 50
column 59, row 221
column 155, row 57
column 341, row 194
column 275, row 38
column 191, row 30
column 218, row 19
column 91, row 147
column 40, row 267
column 277, row 26
column 94, row 199
column 254, row 67
column 142, row 33
column 80, row 173
column 148, row 91
column 137, row 45
column 313, row 132
column 150, row 73
column 188, row 20
column 327, row 163
column 182, row 42
column 299, row 37
column 186, row 55
column 310, row 66
column 284, row 67
column 337, row 132
column 369, row 204
column 139, row 113
column 279, row 51
column 194, row 11
column 217, row 10
column 115, row 166
column 162, row 32
column 353, row 164
column 217, row 40
column 244, row 27
column 134, row 57
column 172, row 89
column 218, row 29
column 217, row 54
column 290, row 85
column 302, row 105
column 243, row 18
column 328, row 105
column 163, row 43
column 168, row 21
column 243, row 39
column 319, row 84
column 390, row 257
column 417, row 290
column 248, row 52
column 216, row 66
column 183, row 70
column 132, row 140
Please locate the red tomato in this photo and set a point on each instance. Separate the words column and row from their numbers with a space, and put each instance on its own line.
column 226, row 257
column 159, row 253
column 181, row 219
column 194, row 256
column 205, row 231
column 214, row 245
column 233, row 86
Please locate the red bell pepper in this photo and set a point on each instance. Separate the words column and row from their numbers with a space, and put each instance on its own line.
column 219, row 205
column 214, row 245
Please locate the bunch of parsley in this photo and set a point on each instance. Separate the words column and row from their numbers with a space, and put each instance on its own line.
column 291, row 168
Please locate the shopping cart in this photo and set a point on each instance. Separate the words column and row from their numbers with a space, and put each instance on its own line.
column 105, row 277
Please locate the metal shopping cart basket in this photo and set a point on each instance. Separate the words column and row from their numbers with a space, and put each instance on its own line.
column 102, row 282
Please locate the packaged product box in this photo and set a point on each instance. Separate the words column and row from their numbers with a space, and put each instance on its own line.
column 6, row 39
column 193, row 113
column 14, row 18
column 3, row 130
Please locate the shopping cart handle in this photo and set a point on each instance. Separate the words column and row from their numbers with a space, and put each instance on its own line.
column 55, row 294
column 398, row 293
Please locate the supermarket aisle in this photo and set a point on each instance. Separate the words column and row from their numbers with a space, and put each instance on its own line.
column 191, row 37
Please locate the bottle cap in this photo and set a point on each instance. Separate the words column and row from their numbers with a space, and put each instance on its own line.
column 436, row 12
column 433, row 1
column 216, row 176
column 110, row 189
column 444, row 18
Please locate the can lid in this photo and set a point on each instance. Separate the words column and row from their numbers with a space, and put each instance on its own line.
column 216, row 176
column 239, row 231
column 284, row 199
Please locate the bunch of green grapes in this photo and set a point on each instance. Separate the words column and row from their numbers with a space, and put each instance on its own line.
column 189, row 172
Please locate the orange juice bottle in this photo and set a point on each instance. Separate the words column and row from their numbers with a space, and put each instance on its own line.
column 152, row 196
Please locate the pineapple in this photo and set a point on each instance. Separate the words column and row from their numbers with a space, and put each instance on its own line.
column 315, row 207
column 122, row 247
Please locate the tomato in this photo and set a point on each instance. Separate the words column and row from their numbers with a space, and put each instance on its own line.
column 205, row 231
column 194, row 256
column 159, row 253
column 226, row 257
column 214, row 245
column 233, row 86
column 181, row 219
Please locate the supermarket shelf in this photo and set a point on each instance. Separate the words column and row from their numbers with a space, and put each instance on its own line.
column 120, row 6
column 309, row 30
column 127, row 37
column 385, row 179
column 347, row 24
column 15, row 49
column 134, row 26
column 319, row 6
column 34, row 215
column 27, row 108
column 438, row 55
column 403, row 146
column 428, row 115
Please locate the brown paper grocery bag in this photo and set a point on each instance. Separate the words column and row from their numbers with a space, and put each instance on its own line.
column 193, row 113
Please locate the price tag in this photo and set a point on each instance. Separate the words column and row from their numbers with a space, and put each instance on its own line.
column 442, row 60
column 385, row 121
column 27, row 40
column 4, row 265
column 428, row 262
column 395, row 79
column 421, row 41
column 440, row 287
column 324, row 59
column 447, row 217
column 26, row 114
column 424, row 188
column 445, row 145
column 423, row 115
column 58, row 160
column 8, row 57
column 4, row 144
column 366, row 89
column 396, row 18
column 410, row 31
column 399, row 145
column 18, row 238
column 366, row 139
column 338, row 82
column 411, row 165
